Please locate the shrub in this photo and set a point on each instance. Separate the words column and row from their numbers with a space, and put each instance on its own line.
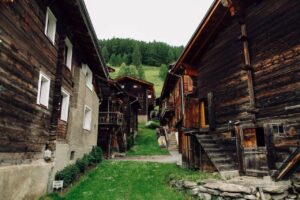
column 96, row 154
column 130, row 141
column 152, row 125
column 82, row 164
column 68, row 174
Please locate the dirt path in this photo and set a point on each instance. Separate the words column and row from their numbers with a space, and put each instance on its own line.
column 174, row 157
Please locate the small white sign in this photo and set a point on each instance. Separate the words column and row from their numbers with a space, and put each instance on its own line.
column 58, row 185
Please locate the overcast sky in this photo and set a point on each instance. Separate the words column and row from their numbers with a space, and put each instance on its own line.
column 170, row 21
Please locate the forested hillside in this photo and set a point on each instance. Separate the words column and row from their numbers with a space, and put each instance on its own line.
column 132, row 52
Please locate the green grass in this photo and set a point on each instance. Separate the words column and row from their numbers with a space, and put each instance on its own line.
column 146, row 144
column 125, row 180
column 152, row 75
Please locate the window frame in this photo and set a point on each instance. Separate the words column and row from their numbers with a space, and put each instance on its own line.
column 50, row 16
column 41, row 77
column 65, row 117
column 88, row 79
column 69, row 56
column 87, row 125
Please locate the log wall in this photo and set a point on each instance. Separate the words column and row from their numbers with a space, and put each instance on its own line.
column 24, row 51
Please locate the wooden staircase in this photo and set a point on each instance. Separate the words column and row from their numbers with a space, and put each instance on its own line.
column 223, row 162
column 172, row 142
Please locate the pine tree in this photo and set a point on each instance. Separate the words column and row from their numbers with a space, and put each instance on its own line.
column 137, row 56
column 105, row 54
column 141, row 72
column 113, row 60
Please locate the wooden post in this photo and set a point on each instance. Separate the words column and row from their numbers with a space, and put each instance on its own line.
column 270, row 147
column 248, row 68
column 239, row 148
column 211, row 111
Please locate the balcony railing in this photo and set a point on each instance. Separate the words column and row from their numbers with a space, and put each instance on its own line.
column 111, row 118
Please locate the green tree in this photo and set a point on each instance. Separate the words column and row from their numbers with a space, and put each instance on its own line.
column 125, row 59
column 105, row 54
column 141, row 72
column 118, row 60
column 113, row 60
column 163, row 71
column 137, row 56
column 126, row 70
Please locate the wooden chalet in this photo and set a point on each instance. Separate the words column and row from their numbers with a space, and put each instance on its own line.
column 234, row 94
column 118, row 118
column 49, row 99
column 143, row 90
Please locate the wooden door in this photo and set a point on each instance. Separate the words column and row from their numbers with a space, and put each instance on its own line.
column 254, row 151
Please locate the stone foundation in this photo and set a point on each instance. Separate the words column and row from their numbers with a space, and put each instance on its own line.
column 24, row 182
column 241, row 188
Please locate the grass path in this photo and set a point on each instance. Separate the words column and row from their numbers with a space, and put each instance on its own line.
column 146, row 144
column 131, row 180
column 113, row 180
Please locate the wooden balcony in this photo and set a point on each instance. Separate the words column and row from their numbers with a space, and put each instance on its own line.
column 111, row 118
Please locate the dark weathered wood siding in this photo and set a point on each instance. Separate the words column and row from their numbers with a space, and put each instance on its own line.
column 141, row 91
column 25, row 51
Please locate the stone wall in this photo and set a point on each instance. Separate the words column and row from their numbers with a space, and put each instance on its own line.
column 24, row 182
column 79, row 140
column 241, row 188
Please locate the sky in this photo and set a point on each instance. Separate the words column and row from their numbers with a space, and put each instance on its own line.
column 170, row 21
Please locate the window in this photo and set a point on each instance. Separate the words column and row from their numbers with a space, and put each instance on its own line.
column 122, row 86
column 72, row 155
column 87, row 121
column 89, row 77
column 135, row 86
column 65, row 101
column 43, row 90
column 68, row 53
column 277, row 129
column 50, row 25
column 149, row 96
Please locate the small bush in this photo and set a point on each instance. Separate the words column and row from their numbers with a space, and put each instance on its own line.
column 68, row 174
column 152, row 125
column 130, row 141
column 96, row 154
column 82, row 164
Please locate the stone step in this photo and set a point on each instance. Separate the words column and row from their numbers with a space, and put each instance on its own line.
column 253, row 172
column 226, row 167
column 217, row 155
column 204, row 137
column 221, row 160
column 213, row 149
column 208, row 141
column 211, row 145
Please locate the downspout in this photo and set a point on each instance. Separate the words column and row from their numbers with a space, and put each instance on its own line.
column 181, row 91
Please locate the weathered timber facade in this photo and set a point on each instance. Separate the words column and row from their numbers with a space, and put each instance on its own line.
column 118, row 118
column 48, row 62
column 243, row 112
column 143, row 90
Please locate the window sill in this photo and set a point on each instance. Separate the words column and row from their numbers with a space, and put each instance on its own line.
column 42, row 106
column 90, row 87
column 87, row 130
column 49, row 39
